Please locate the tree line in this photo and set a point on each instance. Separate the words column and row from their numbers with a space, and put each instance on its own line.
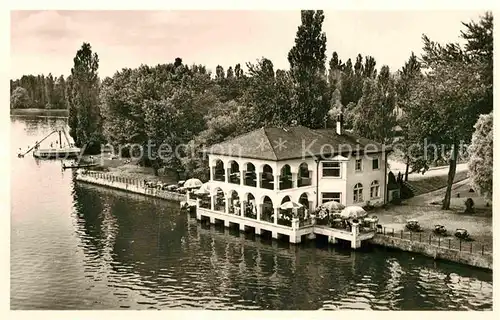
column 437, row 98
column 40, row 92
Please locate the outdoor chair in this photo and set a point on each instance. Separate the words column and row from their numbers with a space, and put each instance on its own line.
column 463, row 234
column 440, row 230
column 414, row 226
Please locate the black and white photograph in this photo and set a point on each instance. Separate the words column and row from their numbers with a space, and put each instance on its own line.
column 291, row 159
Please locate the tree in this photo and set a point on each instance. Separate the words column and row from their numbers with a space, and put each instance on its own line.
column 336, row 108
column 456, row 89
column 177, row 63
column 373, row 116
column 261, row 94
column 219, row 72
column 155, row 106
column 60, row 93
column 386, row 85
column 442, row 109
column 335, row 72
column 479, row 47
column 229, row 73
column 481, row 156
column 20, row 99
column 358, row 78
column 347, row 91
column 85, row 118
column 238, row 72
column 408, row 78
column 369, row 69
column 307, row 69
column 43, row 92
column 49, row 91
column 226, row 120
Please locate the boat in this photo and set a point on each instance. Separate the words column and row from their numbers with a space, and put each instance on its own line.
column 76, row 166
column 57, row 153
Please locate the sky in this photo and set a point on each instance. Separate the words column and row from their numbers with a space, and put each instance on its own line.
column 45, row 42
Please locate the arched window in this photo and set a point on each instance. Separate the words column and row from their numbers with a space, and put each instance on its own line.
column 358, row 193
column 219, row 171
column 374, row 190
column 267, row 178
column 286, row 177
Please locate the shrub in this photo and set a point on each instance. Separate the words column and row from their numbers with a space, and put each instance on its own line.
column 368, row 206
column 396, row 200
column 406, row 192
column 469, row 205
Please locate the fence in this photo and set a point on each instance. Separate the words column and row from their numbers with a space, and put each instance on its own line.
column 446, row 242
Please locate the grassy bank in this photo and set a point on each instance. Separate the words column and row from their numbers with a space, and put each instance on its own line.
column 427, row 182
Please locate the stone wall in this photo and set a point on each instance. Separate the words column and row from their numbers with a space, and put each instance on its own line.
column 472, row 259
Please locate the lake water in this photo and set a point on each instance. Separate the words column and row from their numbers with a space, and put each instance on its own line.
column 77, row 246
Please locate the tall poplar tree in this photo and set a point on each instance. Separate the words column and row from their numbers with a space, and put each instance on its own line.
column 84, row 116
column 308, row 71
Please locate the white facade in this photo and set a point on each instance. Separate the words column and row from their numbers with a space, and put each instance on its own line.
column 339, row 180
column 367, row 177
column 275, row 195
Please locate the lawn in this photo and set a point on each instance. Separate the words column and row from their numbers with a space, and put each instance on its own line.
column 427, row 182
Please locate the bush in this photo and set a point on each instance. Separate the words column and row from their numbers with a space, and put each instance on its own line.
column 396, row 200
column 469, row 205
column 368, row 206
column 406, row 192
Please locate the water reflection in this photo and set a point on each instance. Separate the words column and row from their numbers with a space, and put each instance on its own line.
column 176, row 262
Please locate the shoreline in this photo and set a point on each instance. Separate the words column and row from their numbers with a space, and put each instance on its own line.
column 476, row 260
column 483, row 261
column 36, row 110
column 128, row 184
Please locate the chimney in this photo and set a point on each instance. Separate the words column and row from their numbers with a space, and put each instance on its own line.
column 340, row 123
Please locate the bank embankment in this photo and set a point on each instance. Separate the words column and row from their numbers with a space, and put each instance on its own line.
column 477, row 259
column 127, row 184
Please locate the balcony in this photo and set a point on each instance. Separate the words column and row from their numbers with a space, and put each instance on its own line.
column 304, row 182
column 250, row 179
column 286, row 182
column 219, row 175
column 234, row 177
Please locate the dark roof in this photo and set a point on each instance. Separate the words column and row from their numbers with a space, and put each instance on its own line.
column 271, row 143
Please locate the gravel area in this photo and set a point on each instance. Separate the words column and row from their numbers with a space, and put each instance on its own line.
column 479, row 224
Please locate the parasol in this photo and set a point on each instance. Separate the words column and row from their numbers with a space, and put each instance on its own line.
column 193, row 183
column 353, row 212
column 333, row 206
column 290, row 205
column 203, row 190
